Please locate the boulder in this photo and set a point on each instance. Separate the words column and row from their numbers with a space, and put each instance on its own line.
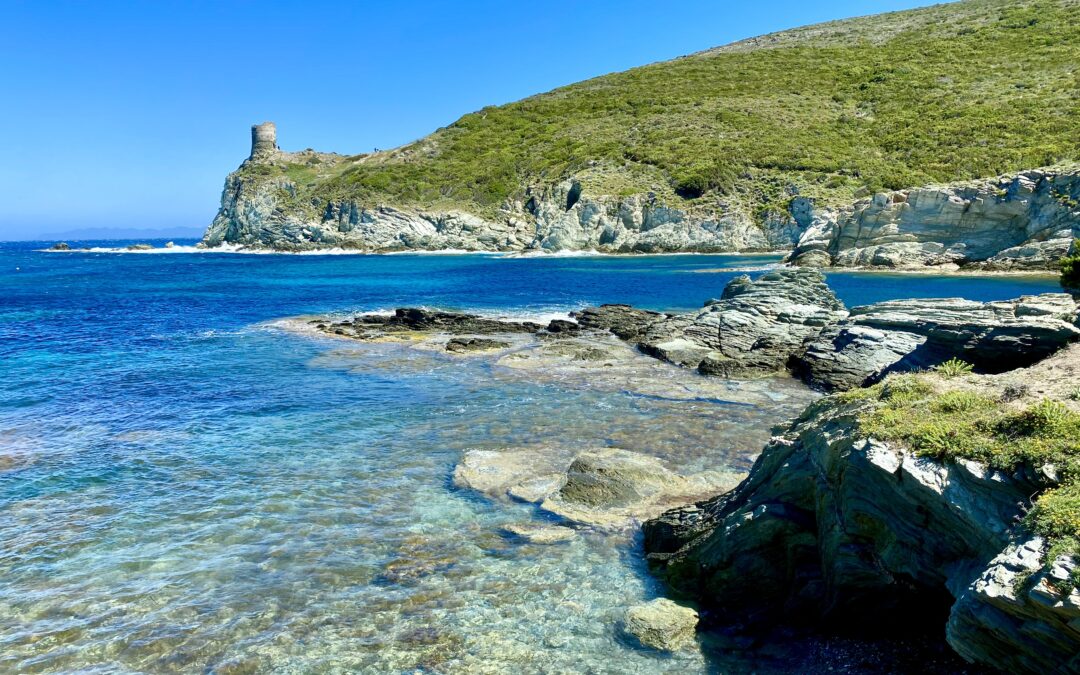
column 661, row 624
column 755, row 328
column 60, row 246
column 904, row 335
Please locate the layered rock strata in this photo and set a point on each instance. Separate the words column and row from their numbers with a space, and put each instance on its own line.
column 755, row 328
column 905, row 335
column 1019, row 222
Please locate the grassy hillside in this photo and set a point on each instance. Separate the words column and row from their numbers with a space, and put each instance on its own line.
column 951, row 92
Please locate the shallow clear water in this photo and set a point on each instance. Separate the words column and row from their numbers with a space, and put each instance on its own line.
column 185, row 486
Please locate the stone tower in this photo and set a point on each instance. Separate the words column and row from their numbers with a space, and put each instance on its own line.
column 263, row 139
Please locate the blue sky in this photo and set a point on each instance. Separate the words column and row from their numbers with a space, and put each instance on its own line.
column 129, row 115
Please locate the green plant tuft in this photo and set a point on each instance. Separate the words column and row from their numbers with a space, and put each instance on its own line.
column 1070, row 267
column 954, row 367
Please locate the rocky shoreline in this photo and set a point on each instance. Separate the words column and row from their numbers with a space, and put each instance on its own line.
column 830, row 523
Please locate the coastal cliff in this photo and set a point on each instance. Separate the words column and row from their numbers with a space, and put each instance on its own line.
column 813, row 140
column 1023, row 221
column 261, row 208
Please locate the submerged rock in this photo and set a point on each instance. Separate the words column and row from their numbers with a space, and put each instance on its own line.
column 535, row 533
column 904, row 335
column 661, row 624
column 526, row 474
column 611, row 488
column 606, row 488
column 465, row 345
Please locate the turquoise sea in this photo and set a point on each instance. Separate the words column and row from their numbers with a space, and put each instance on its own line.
column 187, row 487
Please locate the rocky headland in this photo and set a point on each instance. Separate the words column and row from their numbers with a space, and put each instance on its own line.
column 1020, row 222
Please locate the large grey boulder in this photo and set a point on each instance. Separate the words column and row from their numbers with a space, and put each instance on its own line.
column 755, row 328
column 903, row 335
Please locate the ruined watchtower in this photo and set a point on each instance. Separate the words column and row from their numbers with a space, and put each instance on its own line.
column 263, row 139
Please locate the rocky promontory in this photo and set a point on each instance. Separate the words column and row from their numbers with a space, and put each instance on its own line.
column 1024, row 221
column 905, row 503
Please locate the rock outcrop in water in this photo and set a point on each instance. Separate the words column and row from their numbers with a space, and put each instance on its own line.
column 1025, row 221
column 786, row 320
column 834, row 526
column 756, row 327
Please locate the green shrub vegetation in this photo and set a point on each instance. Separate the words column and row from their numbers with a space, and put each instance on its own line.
column 954, row 367
column 958, row 91
column 957, row 424
column 1070, row 268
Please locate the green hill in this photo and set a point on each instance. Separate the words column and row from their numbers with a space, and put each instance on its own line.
column 946, row 93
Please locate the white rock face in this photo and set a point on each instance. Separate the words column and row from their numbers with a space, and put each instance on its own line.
column 262, row 213
column 1026, row 221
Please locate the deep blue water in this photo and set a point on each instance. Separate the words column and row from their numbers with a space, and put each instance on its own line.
column 185, row 486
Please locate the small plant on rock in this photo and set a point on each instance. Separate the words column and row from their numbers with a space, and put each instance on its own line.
column 954, row 367
column 1070, row 268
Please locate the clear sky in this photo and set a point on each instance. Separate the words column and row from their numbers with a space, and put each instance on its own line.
column 130, row 114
